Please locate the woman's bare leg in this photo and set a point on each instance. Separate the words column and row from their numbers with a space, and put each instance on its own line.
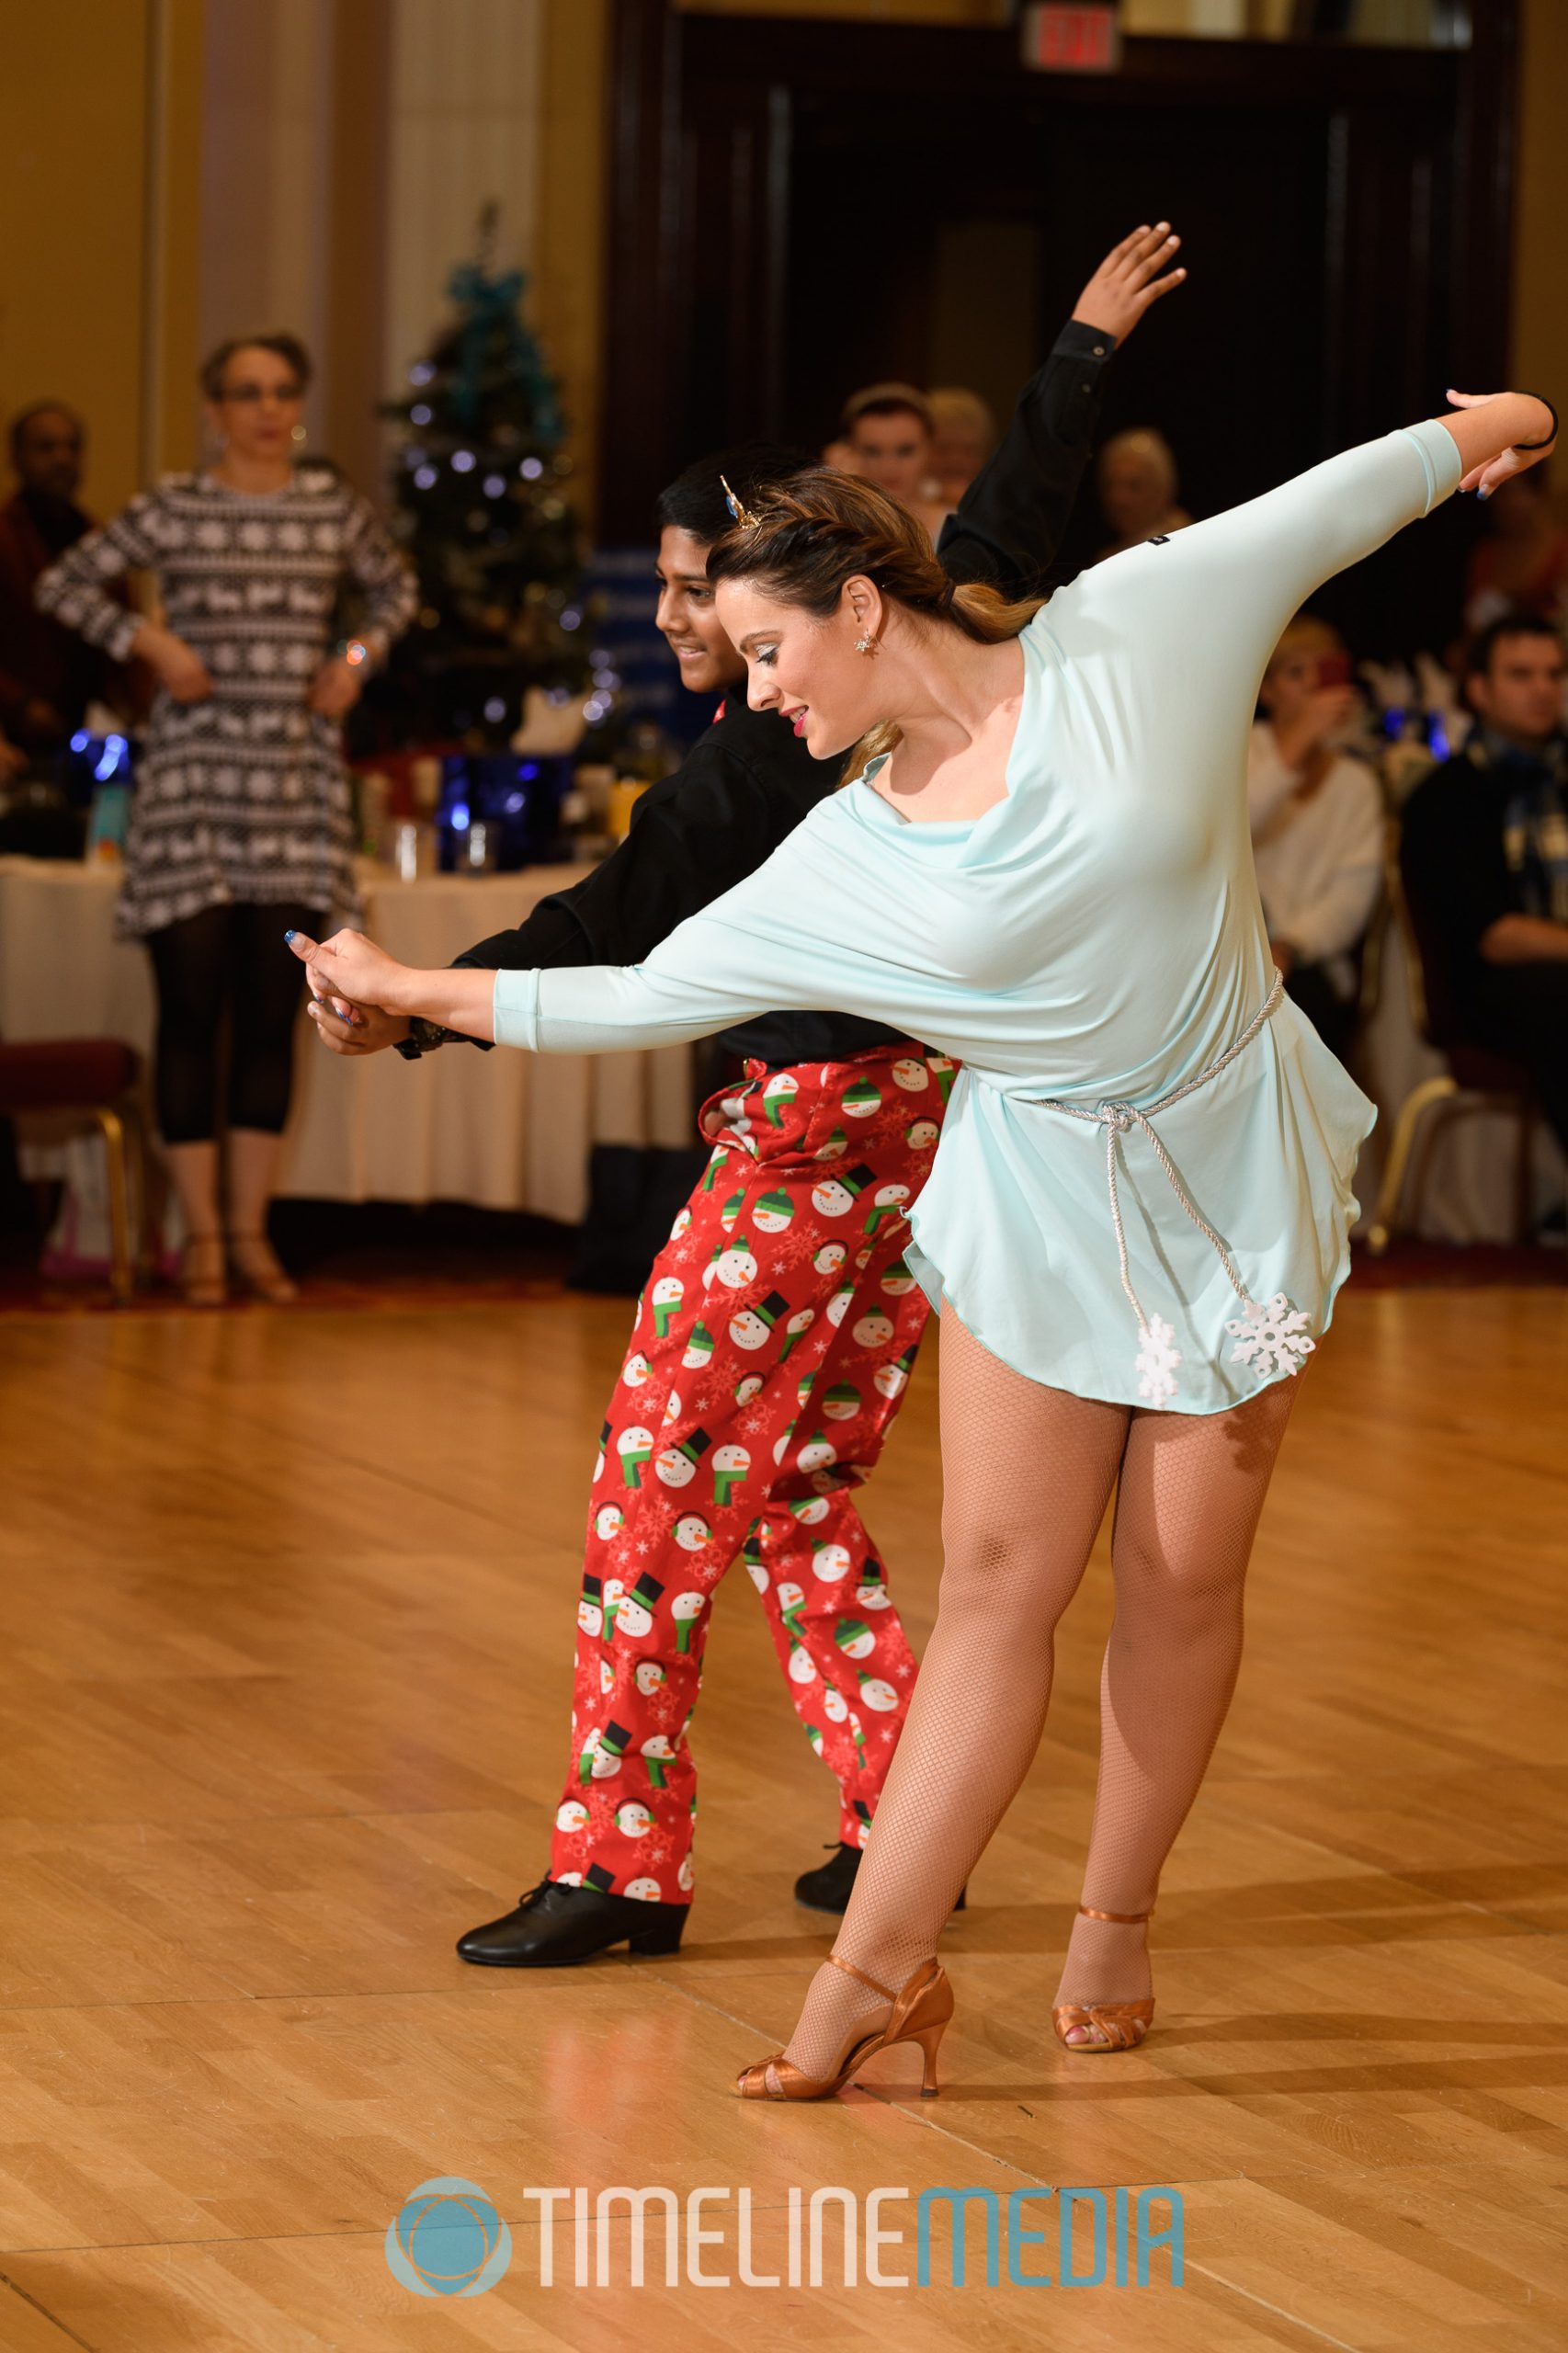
column 1192, row 1491
column 1026, row 1474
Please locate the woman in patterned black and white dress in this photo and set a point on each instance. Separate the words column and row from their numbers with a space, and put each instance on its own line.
column 240, row 825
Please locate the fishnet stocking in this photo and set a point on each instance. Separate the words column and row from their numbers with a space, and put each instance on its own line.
column 1028, row 1471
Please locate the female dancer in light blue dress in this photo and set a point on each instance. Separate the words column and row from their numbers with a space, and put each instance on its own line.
column 1137, row 1220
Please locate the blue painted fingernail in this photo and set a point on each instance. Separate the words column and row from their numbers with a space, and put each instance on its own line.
column 290, row 937
column 341, row 1014
column 1484, row 493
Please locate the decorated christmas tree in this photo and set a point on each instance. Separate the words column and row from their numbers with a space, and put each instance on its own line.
column 482, row 511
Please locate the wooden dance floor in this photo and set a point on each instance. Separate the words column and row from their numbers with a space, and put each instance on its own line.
column 287, row 1603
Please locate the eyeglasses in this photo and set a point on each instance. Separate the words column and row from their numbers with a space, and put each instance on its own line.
column 253, row 393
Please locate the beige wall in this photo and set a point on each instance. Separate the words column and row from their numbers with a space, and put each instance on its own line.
column 171, row 342
column 73, row 159
column 175, row 171
column 264, row 175
column 569, row 252
column 230, row 161
column 100, row 116
column 466, row 102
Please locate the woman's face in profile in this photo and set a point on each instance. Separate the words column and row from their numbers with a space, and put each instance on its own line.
column 807, row 670
column 688, row 619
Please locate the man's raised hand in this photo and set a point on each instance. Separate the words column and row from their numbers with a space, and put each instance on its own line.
column 1128, row 282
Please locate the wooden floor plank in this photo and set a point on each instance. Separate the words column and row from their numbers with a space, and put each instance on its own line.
column 285, row 1710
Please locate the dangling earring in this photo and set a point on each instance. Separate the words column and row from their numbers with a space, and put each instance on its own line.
column 865, row 645
column 297, row 433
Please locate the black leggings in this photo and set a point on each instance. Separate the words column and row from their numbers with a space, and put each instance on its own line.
column 227, row 961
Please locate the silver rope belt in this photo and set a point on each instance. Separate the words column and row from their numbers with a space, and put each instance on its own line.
column 1275, row 1336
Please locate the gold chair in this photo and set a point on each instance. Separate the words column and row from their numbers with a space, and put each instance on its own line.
column 1475, row 1080
column 97, row 1075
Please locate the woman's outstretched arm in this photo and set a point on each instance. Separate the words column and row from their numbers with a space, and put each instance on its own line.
column 604, row 1007
column 710, row 971
column 352, row 968
column 822, row 925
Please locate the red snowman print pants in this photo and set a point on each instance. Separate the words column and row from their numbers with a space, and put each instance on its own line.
column 774, row 1340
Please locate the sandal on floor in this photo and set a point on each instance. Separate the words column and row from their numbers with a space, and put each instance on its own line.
column 208, row 1290
column 1123, row 2024
column 266, row 1278
column 921, row 2009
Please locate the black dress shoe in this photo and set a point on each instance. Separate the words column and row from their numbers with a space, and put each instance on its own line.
column 827, row 1888
column 555, row 1924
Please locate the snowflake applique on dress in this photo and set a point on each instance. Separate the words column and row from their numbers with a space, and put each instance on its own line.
column 1158, row 1357
column 1272, row 1339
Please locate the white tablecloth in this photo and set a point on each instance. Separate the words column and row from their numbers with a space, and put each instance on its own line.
column 513, row 1130
column 503, row 1130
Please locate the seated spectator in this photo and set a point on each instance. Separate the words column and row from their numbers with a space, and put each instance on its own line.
column 1485, row 861
column 1317, row 825
column 963, row 435
column 887, row 433
column 1136, row 480
column 1521, row 566
column 48, row 676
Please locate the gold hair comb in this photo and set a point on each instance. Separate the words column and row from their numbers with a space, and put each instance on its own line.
column 742, row 514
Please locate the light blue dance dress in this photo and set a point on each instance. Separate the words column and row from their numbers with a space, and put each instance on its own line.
column 1142, row 1192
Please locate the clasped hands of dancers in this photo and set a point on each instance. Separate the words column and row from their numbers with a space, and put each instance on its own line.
column 1136, row 1223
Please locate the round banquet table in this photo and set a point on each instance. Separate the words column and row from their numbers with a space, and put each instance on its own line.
column 513, row 1130
column 502, row 1130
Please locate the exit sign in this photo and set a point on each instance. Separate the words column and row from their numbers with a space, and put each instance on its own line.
column 1072, row 36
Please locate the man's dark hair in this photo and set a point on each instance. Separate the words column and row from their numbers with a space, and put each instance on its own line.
column 25, row 416
column 1483, row 645
column 694, row 502
column 288, row 347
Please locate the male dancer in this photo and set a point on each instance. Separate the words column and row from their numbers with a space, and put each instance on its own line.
column 776, row 1333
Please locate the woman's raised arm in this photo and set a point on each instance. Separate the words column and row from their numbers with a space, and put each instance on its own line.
column 1196, row 615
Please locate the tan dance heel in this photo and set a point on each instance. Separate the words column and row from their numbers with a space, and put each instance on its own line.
column 1123, row 2024
column 202, row 1289
column 921, row 2009
column 255, row 1264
